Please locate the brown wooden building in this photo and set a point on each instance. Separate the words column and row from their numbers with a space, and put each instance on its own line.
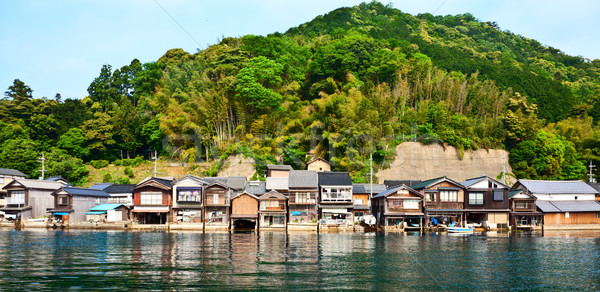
column 523, row 210
column 217, row 198
column 273, row 210
column 303, row 193
column 71, row 203
column 244, row 211
column 486, row 202
column 398, row 208
column 444, row 201
column 152, row 201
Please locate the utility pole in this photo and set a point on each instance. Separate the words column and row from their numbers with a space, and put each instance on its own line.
column 591, row 175
column 155, row 157
column 371, row 174
column 43, row 166
column 504, row 167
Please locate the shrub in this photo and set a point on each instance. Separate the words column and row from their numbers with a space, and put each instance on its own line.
column 128, row 172
column 107, row 178
column 99, row 163
column 122, row 180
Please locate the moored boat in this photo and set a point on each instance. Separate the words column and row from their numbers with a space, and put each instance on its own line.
column 459, row 229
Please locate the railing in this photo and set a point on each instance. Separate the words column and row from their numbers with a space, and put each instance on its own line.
column 14, row 201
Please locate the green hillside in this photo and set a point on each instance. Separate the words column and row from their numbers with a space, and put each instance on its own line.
column 355, row 81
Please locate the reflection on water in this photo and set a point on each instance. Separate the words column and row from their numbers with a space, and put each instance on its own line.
column 40, row 259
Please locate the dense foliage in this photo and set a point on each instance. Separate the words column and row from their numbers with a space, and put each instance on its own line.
column 353, row 82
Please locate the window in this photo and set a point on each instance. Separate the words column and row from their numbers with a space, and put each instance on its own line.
column 395, row 204
column 188, row 195
column 498, row 195
column 358, row 201
column 1, row 180
column 449, row 196
column 430, row 197
column 411, row 204
column 151, row 198
column 522, row 205
column 597, row 215
column 302, row 197
column 269, row 205
column 62, row 200
column 215, row 199
column 476, row 198
column 566, row 214
column 16, row 198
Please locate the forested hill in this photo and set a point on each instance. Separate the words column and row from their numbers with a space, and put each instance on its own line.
column 355, row 81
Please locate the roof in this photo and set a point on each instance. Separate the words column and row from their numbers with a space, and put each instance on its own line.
column 329, row 178
column 57, row 178
column 594, row 185
column 277, row 183
column 390, row 183
column 472, row 181
column 244, row 193
column 36, row 184
column 236, row 182
column 568, row 206
column 394, row 190
column 303, row 179
column 104, row 207
column 83, row 192
column 279, row 167
column 12, row 172
column 100, row 186
column 256, row 187
column 557, row 187
column 317, row 159
column 191, row 177
column 366, row 188
column 120, row 189
column 212, row 179
column 512, row 193
column 427, row 183
column 165, row 183
column 272, row 195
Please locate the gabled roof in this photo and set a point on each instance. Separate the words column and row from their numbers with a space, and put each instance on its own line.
column 272, row 195
column 35, row 184
column 277, row 183
column 242, row 194
column 83, row 192
column 303, row 179
column 12, row 172
column 190, row 177
column 317, row 159
column 279, row 167
column 594, row 185
column 472, row 181
column 329, row 178
column 395, row 190
column 160, row 183
column 100, row 186
column 427, row 183
column 556, row 187
column 256, row 188
column 366, row 188
column 58, row 178
column 519, row 193
column 391, row 183
column 217, row 183
column 120, row 189
column 236, row 182
column 105, row 207
column 213, row 179
column 568, row 206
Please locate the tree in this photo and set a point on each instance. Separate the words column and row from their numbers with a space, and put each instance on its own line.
column 74, row 143
column 21, row 154
column 19, row 91
column 256, row 84
column 58, row 162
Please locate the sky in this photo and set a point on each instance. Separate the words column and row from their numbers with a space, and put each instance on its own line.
column 60, row 46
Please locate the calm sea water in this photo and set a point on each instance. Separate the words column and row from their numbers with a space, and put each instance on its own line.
column 61, row 260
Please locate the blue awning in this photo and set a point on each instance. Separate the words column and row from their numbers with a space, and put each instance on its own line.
column 95, row 213
column 60, row 213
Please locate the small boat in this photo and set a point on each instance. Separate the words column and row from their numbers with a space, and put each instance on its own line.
column 459, row 229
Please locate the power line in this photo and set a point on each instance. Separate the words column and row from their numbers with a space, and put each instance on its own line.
column 177, row 22
column 439, row 7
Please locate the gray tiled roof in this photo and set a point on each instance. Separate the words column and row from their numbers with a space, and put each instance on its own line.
column 279, row 167
column 256, row 188
column 303, row 179
column 11, row 172
column 39, row 184
column 236, row 182
column 329, row 178
column 366, row 188
column 391, row 183
column 557, row 187
column 100, row 186
column 277, row 183
column 213, row 179
column 568, row 206
column 395, row 189
column 83, row 192
column 120, row 189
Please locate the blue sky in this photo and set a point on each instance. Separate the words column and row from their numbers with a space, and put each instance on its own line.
column 60, row 46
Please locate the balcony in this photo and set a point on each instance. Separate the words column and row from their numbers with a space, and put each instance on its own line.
column 15, row 201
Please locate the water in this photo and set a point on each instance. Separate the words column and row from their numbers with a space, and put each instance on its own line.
column 84, row 260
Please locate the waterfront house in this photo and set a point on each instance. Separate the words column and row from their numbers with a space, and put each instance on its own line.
column 278, row 170
column 244, row 211
column 71, row 203
column 7, row 175
column 361, row 195
column 187, row 199
column 400, row 208
column 255, row 187
column 318, row 164
column 303, row 192
column 335, row 203
column 237, row 184
column 217, row 198
column 523, row 210
column 273, row 210
column 486, row 202
column 563, row 202
column 279, row 184
column 120, row 194
column 29, row 198
column 443, row 201
column 152, row 201
column 108, row 213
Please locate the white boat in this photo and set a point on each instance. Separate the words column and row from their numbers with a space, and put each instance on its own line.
column 459, row 229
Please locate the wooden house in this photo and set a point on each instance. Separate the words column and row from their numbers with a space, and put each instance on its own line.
column 361, row 195
column 303, row 193
column 443, row 201
column 187, row 199
column 563, row 202
column 71, row 203
column 7, row 175
column 273, row 210
column 121, row 194
column 486, row 202
column 244, row 211
column 335, row 204
column 152, row 201
column 318, row 164
column 523, row 210
column 29, row 198
column 398, row 208
column 217, row 198
column 108, row 213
